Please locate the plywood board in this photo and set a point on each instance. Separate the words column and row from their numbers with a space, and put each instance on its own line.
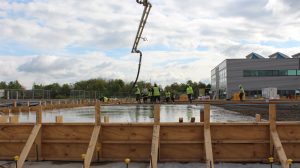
column 67, row 132
column 122, row 133
column 15, row 132
column 57, row 151
column 136, row 152
column 245, row 152
column 241, row 132
column 181, row 152
column 182, row 133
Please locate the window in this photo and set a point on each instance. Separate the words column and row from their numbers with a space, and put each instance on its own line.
column 292, row 72
column 283, row 72
column 249, row 73
column 275, row 72
column 265, row 73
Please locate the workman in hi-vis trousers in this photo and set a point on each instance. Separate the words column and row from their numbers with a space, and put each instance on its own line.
column 242, row 92
column 189, row 92
column 156, row 93
column 137, row 94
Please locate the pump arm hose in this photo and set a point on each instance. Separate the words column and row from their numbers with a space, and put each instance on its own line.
column 147, row 8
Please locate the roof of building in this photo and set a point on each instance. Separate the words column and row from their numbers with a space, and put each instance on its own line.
column 254, row 55
column 278, row 55
column 296, row 55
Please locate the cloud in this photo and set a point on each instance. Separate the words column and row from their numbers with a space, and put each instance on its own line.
column 50, row 41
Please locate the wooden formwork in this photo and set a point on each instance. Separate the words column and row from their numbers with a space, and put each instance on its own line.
column 187, row 142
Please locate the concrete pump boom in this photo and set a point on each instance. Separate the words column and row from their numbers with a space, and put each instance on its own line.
column 147, row 7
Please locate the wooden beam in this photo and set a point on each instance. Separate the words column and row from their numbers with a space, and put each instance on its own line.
column 38, row 146
column 275, row 142
column 272, row 126
column 279, row 149
column 39, row 115
column 155, row 146
column 156, row 113
column 97, row 113
column 207, row 138
column 92, row 146
column 25, row 151
column 257, row 118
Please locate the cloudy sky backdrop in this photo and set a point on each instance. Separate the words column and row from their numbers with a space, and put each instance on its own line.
column 65, row 41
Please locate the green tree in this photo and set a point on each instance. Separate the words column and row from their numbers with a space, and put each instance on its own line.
column 3, row 85
column 14, row 85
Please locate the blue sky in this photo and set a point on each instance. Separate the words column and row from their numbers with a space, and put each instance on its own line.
column 54, row 41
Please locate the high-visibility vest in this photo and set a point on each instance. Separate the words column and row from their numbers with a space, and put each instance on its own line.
column 137, row 91
column 242, row 90
column 156, row 91
column 168, row 94
column 149, row 92
column 189, row 90
column 105, row 99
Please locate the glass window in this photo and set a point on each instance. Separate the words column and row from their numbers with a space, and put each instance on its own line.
column 298, row 72
column 275, row 73
column 283, row 73
column 265, row 73
column 292, row 72
column 249, row 73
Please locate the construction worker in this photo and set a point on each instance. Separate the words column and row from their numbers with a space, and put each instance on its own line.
column 137, row 94
column 173, row 94
column 168, row 96
column 156, row 93
column 242, row 92
column 150, row 94
column 145, row 94
column 189, row 92
column 104, row 99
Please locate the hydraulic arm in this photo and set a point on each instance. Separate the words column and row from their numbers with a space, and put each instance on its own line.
column 147, row 7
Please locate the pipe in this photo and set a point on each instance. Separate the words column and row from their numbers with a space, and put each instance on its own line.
column 147, row 8
column 139, row 68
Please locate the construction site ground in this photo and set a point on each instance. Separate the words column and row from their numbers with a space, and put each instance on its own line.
column 49, row 164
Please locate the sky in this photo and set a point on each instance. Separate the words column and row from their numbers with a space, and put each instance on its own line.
column 47, row 41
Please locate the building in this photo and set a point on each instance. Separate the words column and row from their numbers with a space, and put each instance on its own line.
column 255, row 73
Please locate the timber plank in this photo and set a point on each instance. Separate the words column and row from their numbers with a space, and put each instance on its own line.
column 181, row 133
column 126, row 133
column 207, row 138
column 279, row 149
column 181, row 152
column 247, row 151
column 58, row 151
column 67, row 132
column 92, row 145
column 154, row 147
column 28, row 145
column 136, row 152
column 242, row 132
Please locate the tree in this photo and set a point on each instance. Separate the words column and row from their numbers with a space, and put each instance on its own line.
column 14, row 85
column 3, row 85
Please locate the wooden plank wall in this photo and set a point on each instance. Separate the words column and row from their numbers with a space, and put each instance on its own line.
column 178, row 142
